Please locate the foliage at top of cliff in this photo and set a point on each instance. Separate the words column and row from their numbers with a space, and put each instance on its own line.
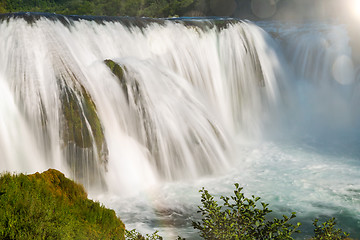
column 50, row 206
column 149, row 8
column 140, row 8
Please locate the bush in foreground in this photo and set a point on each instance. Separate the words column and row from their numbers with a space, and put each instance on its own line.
column 50, row 206
column 241, row 218
column 327, row 230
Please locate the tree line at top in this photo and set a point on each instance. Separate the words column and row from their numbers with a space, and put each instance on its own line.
column 140, row 8
column 244, row 9
column 147, row 8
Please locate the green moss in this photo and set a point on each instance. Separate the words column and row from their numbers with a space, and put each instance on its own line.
column 82, row 134
column 50, row 206
column 82, row 124
column 75, row 130
column 115, row 68
column 94, row 121
column 2, row 8
column 118, row 71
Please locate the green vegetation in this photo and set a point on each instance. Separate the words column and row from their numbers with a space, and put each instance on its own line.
column 139, row 8
column 118, row 71
column 115, row 68
column 78, row 115
column 149, row 8
column 50, row 206
column 241, row 218
column 82, row 132
column 327, row 230
column 134, row 235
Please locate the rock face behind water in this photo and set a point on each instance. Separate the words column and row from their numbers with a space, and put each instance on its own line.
column 83, row 136
column 50, row 206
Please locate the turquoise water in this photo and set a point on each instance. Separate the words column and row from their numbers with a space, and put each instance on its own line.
column 316, row 181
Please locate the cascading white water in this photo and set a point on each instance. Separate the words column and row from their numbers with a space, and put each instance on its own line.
column 185, row 101
column 181, row 103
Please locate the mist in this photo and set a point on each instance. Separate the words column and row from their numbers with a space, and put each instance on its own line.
column 291, row 10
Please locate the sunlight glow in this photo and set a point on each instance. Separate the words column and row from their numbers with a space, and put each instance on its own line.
column 355, row 6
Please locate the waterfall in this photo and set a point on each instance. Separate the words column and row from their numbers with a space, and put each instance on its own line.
column 180, row 94
column 129, row 105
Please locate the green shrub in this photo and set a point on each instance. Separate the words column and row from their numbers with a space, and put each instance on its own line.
column 327, row 231
column 50, row 206
column 240, row 218
column 135, row 235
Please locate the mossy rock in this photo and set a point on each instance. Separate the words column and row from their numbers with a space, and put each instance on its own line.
column 81, row 119
column 83, row 137
column 50, row 206
column 118, row 71
column 115, row 68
